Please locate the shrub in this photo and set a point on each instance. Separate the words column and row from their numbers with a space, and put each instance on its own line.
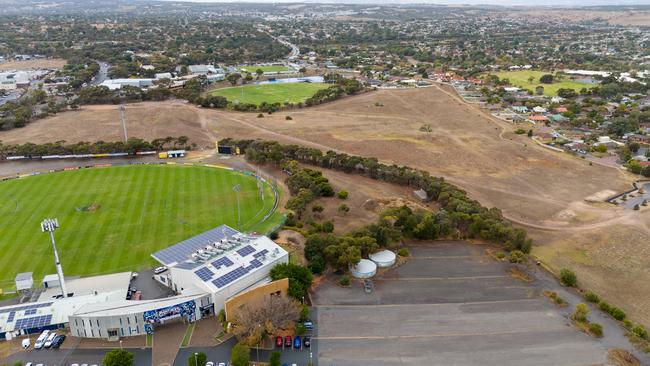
column 342, row 194
column 274, row 360
column 520, row 131
column 628, row 323
column 345, row 280
column 274, row 235
column 288, row 118
column 119, row 357
column 261, row 115
column 596, row 330
column 304, row 313
column 403, row 252
column 604, row 306
column 240, row 355
column 568, row 277
column 581, row 312
column 592, row 297
column 300, row 329
column 343, row 208
column 197, row 359
column 617, row 313
column 317, row 208
column 516, row 256
column 640, row 331
column 500, row 255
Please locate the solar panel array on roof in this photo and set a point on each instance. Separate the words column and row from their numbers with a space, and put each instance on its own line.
column 246, row 250
column 230, row 277
column 261, row 253
column 223, row 261
column 183, row 250
column 25, row 307
column 11, row 317
column 205, row 274
column 255, row 264
column 33, row 322
column 30, row 312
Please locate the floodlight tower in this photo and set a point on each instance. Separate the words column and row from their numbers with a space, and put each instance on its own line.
column 49, row 225
column 237, row 189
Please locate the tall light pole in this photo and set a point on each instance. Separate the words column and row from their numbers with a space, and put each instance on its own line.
column 123, row 118
column 49, row 225
column 237, row 189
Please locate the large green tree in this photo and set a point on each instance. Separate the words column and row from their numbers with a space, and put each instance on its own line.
column 118, row 357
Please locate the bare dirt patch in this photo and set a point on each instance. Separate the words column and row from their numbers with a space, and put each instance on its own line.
column 50, row 63
column 102, row 122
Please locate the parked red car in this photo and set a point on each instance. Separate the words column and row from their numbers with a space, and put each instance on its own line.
column 287, row 341
column 278, row 341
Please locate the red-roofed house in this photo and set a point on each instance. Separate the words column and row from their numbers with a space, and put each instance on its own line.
column 538, row 118
column 561, row 110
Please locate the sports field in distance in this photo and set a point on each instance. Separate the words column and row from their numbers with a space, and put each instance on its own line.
column 270, row 93
column 520, row 79
column 113, row 219
column 267, row 68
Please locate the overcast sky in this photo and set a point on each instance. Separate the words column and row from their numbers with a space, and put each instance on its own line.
column 492, row 2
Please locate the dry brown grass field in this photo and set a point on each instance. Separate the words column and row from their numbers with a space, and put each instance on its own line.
column 540, row 190
column 102, row 122
column 53, row 63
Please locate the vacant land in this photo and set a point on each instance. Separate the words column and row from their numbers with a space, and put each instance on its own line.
column 521, row 79
column 113, row 219
column 449, row 304
column 102, row 122
column 268, row 68
column 270, row 93
column 53, row 63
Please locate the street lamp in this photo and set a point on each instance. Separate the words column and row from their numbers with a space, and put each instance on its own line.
column 49, row 225
column 196, row 363
column 237, row 189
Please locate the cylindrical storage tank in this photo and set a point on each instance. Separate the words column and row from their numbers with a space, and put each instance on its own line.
column 384, row 258
column 364, row 269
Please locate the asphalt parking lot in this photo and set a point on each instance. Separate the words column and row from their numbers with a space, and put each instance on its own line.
column 66, row 357
column 449, row 305
column 221, row 353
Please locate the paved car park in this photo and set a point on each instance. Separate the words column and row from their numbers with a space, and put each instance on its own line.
column 221, row 353
column 450, row 304
column 67, row 357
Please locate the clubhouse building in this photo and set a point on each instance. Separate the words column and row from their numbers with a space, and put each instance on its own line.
column 205, row 273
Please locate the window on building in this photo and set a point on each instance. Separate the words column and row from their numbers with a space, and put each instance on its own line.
column 98, row 322
column 112, row 333
column 120, row 322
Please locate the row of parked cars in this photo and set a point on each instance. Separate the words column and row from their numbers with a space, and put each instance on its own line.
column 48, row 339
column 297, row 342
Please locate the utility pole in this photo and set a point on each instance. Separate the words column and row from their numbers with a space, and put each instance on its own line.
column 237, row 189
column 49, row 225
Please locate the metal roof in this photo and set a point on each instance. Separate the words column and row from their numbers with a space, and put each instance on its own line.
column 182, row 251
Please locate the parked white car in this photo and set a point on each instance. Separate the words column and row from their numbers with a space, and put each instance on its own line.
column 159, row 270
column 40, row 341
column 49, row 340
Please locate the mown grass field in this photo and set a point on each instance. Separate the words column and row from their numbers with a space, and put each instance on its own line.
column 268, row 68
column 520, row 79
column 113, row 219
column 270, row 93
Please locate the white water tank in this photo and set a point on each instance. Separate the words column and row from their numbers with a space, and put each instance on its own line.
column 364, row 269
column 384, row 258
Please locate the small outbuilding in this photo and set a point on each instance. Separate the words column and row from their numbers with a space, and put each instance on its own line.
column 364, row 269
column 24, row 281
column 384, row 258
